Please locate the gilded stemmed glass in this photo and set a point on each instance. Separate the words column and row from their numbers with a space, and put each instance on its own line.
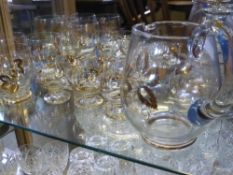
column 16, row 73
column 46, row 60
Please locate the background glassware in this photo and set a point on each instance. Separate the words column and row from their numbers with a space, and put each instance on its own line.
column 30, row 159
column 106, row 165
column 20, row 37
column 16, row 73
column 112, row 54
column 51, row 171
column 111, row 88
column 98, row 141
column 9, row 163
column 83, row 71
column 162, row 80
column 44, row 51
column 50, row 23
column 84, row 168
column 80, row 155
column 108, row 23
column 88, row 83
column 124, row 147
column 110, row 37
column 47, row 64
column 56, row 154
column 94, row 114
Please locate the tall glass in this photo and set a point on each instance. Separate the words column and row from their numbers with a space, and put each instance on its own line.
column 108, row 23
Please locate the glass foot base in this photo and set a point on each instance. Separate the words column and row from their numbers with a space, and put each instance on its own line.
column 21, row 96
column 172, row 131
column 214, row 110
column 115, row 112
column 121, row 130
column 168, row 146
column 57, row 97
column 89, row 101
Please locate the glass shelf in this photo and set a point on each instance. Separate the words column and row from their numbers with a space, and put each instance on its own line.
column 92, row 129
column 10, row 164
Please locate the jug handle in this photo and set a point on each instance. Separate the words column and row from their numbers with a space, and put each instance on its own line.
column 222, row 104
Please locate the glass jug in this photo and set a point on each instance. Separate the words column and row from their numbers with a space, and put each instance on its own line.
column 220, row 11
column 172, row 81
column 202, row 9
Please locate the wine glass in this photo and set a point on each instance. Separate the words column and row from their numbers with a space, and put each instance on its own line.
column 50, row 23
column 16, row 73
column 112, row 54
column 170, row 70
column 44, row 50
column 20, row 37
column 108, row 23
column 87, row 82
column 84, row 32
column 105, row 165
column 50, row 76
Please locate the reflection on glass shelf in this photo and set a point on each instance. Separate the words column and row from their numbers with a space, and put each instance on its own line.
column 92, row 129
column 73, row 160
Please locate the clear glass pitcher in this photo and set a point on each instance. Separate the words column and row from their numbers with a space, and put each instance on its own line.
column 202, row 10
column 172, row 81
column 220, row 12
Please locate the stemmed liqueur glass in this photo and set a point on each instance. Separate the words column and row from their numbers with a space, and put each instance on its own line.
column 113, row 62
column 108, row 23
column 82, row 69
column 50, row 23
column 16, row 73
column 46, row 58
column 84, row 31
column 88, row 83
